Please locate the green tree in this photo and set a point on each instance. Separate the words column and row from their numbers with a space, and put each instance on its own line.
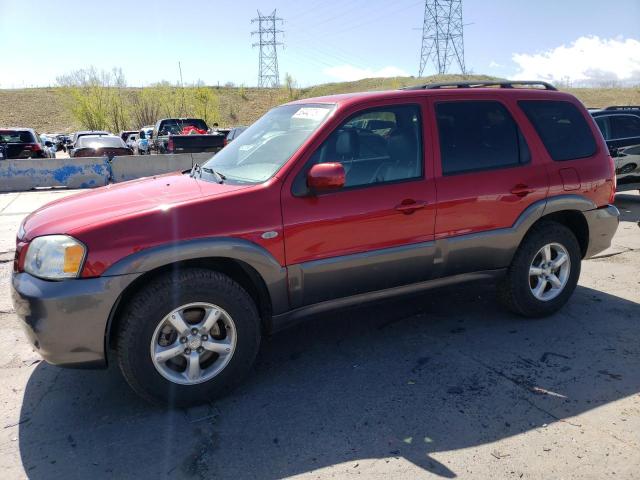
column 97, row 99
column 204, row 103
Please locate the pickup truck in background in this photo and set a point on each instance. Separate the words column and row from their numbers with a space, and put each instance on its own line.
column 185, row 135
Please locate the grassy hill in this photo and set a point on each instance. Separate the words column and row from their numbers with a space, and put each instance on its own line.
column 45, row 109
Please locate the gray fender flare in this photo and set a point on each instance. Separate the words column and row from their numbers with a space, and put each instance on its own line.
column 273, row 274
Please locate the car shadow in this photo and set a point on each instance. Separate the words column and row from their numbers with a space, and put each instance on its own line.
column 406, row 378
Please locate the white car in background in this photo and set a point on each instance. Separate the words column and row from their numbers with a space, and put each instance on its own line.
column 142, row 146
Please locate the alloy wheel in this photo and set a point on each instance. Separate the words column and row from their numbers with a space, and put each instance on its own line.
column 549, row 272
column 193, row 343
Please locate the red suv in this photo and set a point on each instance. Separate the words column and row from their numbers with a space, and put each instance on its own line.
column 322, row 203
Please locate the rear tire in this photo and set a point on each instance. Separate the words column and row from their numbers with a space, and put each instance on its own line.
column 535, row 287
column 147, row 318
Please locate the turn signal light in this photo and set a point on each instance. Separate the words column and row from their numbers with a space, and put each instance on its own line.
column 73, row 258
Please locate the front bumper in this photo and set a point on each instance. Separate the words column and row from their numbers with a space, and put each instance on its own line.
column 603, row 223
column 66, row 321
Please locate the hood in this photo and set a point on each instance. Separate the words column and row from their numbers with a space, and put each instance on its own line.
column 118, row 200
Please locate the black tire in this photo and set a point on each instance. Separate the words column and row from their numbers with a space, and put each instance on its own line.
column 150, row 305
column 514, row 290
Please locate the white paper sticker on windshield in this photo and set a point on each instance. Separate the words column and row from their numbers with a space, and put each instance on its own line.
column 311, row 113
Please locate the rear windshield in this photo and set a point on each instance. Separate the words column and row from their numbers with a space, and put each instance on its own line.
column 562, row 128
column 16, row 136
column 100, row 142
column 176, row 126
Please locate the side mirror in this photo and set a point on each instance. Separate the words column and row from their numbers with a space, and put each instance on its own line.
column 48, row 144
column 325, row 177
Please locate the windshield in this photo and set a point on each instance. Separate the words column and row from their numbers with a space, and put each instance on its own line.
column 16, row 136
column 262, row 149
column 100, row 142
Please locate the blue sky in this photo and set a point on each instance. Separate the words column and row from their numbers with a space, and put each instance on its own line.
column 325, row 40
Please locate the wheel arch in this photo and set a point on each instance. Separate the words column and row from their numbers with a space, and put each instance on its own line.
column 575, row 221
column 248, row 264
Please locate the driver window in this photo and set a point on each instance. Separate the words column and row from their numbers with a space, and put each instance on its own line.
column 377, row 146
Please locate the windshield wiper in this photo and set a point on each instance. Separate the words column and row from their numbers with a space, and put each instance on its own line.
column 220, row 178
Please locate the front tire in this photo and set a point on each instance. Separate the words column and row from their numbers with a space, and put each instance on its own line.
column 544, row 271
column 188, row 337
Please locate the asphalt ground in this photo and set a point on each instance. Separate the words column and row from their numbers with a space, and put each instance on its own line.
column 441, row 384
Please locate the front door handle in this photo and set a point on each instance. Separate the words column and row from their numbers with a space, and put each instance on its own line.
column 409, row 206
column 521, row 190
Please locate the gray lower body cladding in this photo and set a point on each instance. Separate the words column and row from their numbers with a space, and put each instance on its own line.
column 603, row 223
column 66, row 321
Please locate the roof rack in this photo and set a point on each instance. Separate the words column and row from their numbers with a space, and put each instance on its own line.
column 623, row 107
column 495, row 83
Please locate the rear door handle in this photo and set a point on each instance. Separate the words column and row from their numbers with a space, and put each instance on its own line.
column 409, row 206
column 521, row 190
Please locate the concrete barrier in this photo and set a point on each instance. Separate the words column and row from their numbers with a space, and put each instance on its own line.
column 137, row 166
column 21, row 175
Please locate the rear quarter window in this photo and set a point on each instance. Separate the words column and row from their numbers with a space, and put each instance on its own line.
column 561, row 127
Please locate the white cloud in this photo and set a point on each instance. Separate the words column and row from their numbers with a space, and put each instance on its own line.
column 588, row 60
column 494, row 64
column 348, row 73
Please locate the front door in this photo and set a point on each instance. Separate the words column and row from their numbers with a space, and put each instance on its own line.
column 376, row 232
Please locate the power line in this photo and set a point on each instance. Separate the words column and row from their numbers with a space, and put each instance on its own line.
column 442, row 35
column 268, row 76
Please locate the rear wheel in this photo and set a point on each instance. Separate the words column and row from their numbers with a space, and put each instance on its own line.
column 544, row 271
column 188, row 337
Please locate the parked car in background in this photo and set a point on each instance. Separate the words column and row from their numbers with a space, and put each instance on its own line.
column 178, row 277
column 83, row 133
column 185, row 135
column 131, row 140
column 49, row 142
column 124, row 135
column 101, row 146
column 233, row 134
column 620, row 128
column 24, row 143
column 633, row 109
column 65, row 141
column 142, row 146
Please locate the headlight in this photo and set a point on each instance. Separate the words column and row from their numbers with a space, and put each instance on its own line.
column 54, row 257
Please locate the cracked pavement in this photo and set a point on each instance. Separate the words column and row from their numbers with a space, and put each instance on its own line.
column 441, row 384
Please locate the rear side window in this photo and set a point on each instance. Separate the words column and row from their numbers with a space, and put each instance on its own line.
column 561, row 127
column 478, row 135
column 625, row 126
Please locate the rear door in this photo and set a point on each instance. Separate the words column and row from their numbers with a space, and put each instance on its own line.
column 487, row 174
column 377, row 232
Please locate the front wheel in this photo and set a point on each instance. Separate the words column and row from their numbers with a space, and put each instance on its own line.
column 544, row 271
column 188, row 337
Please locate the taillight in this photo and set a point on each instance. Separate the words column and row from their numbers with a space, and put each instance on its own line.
column 170, row 145
column 614, row 185
column 225, row 143
column 34, row 147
